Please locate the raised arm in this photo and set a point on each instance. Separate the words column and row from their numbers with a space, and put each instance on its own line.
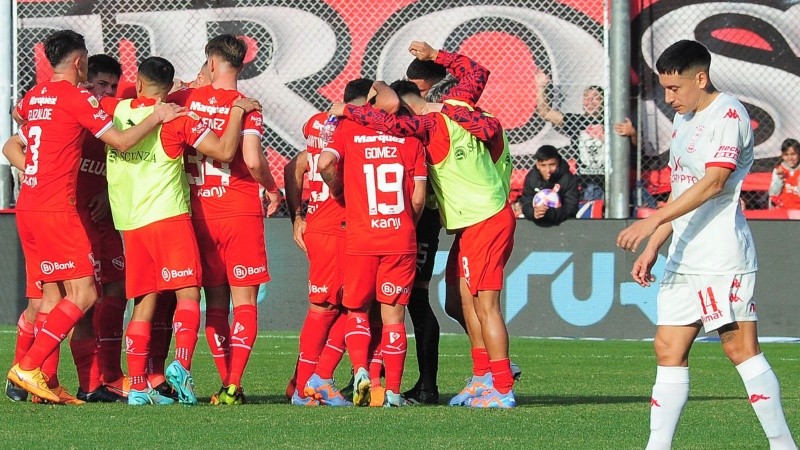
column 472, row 77
column 543, row 105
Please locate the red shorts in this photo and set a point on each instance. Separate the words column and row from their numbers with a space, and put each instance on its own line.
column 107, row 249
column 326, row 258
column 55, row 246
column 480, row 253
column 161, row 256
column 233, row 251
column 387, row 279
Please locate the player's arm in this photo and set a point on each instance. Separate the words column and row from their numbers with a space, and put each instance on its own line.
column 327, row 170
column 385, row 97
column 543, row 105
column 478, row 123
column 224, row 148
column 418, row 198
column 123, row 140
column 293, row 173
column 405, row 126
column 14, row 151
column 258, row 166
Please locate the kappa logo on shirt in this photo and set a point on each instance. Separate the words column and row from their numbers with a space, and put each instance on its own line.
column 731, row 114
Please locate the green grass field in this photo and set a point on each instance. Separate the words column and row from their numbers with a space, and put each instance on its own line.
column 573, row 395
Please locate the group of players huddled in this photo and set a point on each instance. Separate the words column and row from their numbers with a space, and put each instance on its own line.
column 180, row 171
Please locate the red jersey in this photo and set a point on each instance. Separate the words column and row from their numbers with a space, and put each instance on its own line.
column 57, row 115
column 325, row 213
column 379, row 175
column 789, row 197
column 91, row 172
column 220, row 189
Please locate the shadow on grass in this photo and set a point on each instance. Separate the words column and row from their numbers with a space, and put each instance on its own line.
column 601, row 399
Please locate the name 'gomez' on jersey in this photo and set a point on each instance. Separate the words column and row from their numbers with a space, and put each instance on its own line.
column 714, row 239
column 58, row 115
column 220, row 189
column 325, row 214
column 379, row 175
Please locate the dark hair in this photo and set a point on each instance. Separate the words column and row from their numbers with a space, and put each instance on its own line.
column 683, row 55
column 425, row 70
column 598, row 89
column 228, row 47
column 546, row 152
column 357, row 88
column 405, row 87
column 158, row 71
column 790, row 143
column 104, row 64
column 61, row 44
column 442, row 88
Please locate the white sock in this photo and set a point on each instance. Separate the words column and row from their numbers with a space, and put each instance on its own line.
column 764, row 394
column 669, row 395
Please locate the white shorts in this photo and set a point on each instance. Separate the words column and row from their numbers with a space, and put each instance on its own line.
column 713, row 300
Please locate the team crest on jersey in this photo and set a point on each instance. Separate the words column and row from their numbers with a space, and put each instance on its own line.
column 44, row 90
column 93, row 101
column 193, row 115
column 212, row 101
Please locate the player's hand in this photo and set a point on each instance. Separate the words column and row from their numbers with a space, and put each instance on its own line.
column 248, row 104
column 539, row 211
column 630, row 238
column 642, row 266
column 423, row 51
column 625, row 128
column 541, row 79
column 299, row 232
column 99, row 207
column 167, row 112
column 337, row 109
column 273, row 201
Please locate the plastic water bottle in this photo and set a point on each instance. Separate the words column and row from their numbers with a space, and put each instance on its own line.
column 326, row 132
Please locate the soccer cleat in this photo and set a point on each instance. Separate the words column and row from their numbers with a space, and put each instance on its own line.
column 64, row 397
column 15, row 393
column 491, row 398
column 361, row 387
column 474, row 388
column 215, row 397
column 181, row 380
column 297, row 400
column 166, row 390
column 393, row 400
column 100, row 395
column 324, row 391
column 419, row 395
column 291, row 387
column 148, row 397
column 516, row 371
column 121, row 386
column 377, row 395
column 33, row 381
column 228, row 395
column 347, row 390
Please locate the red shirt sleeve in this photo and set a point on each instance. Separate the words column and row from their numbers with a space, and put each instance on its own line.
column 109, row 104
column 472, row 77
column 253, row 124
column 420, row 166
column 86, row 110
column 180, row 97
column 186, row 130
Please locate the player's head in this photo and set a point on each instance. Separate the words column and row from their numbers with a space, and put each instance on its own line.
column 104, row 73
column 440, row 89
column 66, row 51
column 356, row 91
column 155, row 77
column 593, row 100
column 410, row 97
column 225, row 52
column 547, row 161
column 203, row 77
column 683, row 71
column 425, row 74
column 790, row 152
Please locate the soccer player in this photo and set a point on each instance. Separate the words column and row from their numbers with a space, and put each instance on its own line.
column 710, row 272
column 228, row 218
column 150, row 203
column 56, row 113
column 384, row 190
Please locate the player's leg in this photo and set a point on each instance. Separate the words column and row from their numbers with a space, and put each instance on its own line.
column 25, row 336
column 137, row 347
column 83, row 345
column 109, row 315
column 218, row 329
column 376, row 369
column 160, row 340
column 359, row 290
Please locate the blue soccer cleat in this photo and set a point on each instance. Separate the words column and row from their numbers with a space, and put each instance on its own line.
column 325, row 392
column 147, row 397
column 297, row 400
column 181, row 380
column 474, row 388
column 491, row 398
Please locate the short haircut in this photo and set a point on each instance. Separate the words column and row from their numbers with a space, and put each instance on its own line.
column 158, row 71
column 104, row 64
column 425, row 70
column 790, row 143
column 61, row 44
column 683, row 55
column 405, row 87
column 357, row 88
column 228, row 47
column 546, row 152
column 440, row 89
column 597, row 89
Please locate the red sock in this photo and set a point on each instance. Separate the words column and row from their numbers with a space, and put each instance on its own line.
column 243, row 337
column 333, row 351
column 60, row 320
column 218, row 335
column 480, row 362
column 160, row 339
column 376, row 354
column 25, row 336
column 313, row 336
column 84, row 354
column 356, row 337
column 186, row 324
column 501, row 375
column 108, row 317
column 395, row 347
column 50, row 364
column 137, row 346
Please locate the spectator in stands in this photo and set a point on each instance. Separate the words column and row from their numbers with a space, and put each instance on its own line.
column 783, row 190
column 585, row 131
column 551, row 172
